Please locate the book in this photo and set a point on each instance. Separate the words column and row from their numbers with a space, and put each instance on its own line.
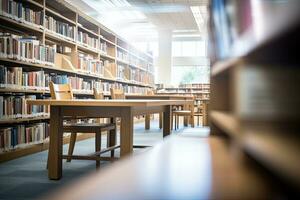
column 85, row 39
column 26, row 49
column 61, row 28
column 19, row 136
column 21, row 12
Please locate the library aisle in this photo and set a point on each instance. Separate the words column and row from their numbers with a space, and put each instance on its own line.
column 17, row 175
column 149, row 99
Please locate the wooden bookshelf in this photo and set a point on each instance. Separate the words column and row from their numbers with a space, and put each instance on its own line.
column 35, row 148
column 253, row 86
column 64, row 12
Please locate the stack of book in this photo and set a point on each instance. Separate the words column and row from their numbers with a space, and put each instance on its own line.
column 88, row 64
column 16, row 10
column 15, row 106
column 84, row 38
column 21, row 135
column 26, row 49
column 64, row 29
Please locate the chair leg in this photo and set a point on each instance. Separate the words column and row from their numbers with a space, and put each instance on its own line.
column 71, row 145
column 177, row 121
column 172, row 120
column 98, row 146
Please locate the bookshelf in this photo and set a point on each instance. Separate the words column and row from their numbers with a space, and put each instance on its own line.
column 54, row 41
column 254, row 80
column 198, row 90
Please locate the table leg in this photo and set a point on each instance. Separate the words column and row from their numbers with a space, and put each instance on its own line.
column 147, row 122
column 55, row 146
column 126, row 134
column 160, row 119
column 112, row 136
column 167, row 121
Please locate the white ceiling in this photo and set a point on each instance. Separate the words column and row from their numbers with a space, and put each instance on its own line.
column 134, row 18
column 169, row 14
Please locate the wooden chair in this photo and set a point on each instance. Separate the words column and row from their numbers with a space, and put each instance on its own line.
column 64, row 91
column 117, row 93
column 187, row 112
column 149, row 92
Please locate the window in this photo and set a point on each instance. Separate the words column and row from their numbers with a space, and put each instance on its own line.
column 189, row 48
column 190, row 74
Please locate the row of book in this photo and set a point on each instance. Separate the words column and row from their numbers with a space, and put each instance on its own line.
column 59, row 27
column 21, row 12
column 87, row 63
column 195, row 85
column 16, row 78
column 77, row 83
column 27, row 49
column 122, row 56
column 103, row 47
column 22, row 135
column 126, row 88
column 15, row 106
column 121, row 72
column 86, row 39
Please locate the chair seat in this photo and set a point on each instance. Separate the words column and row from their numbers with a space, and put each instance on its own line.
column 87, row 127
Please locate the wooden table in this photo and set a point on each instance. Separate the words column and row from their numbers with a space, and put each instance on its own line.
column 162, row 97
column 124, row 109
column 180, row 167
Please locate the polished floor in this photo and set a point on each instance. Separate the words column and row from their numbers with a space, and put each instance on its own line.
column 26, row 177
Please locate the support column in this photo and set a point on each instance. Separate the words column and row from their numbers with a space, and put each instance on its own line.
column 164, row 60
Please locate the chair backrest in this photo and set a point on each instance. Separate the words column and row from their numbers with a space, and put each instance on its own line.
column 117, row 93
column 60, row 91
column 149, row 92
column 98, row 94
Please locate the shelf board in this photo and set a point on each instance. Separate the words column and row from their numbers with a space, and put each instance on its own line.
column 107, row 56
column 35, row 3
column 222, row 66
column 22, row 25
column 60, row 16
column 86, row 48
column 225, row 121
column 123, row 49
column 35, row 148
column 14, row 90
column 122, row 61
column 59, row 38
column 88, row 31
column 140, row 68
column 106, row 40
column 21, row 120
column 277, row 150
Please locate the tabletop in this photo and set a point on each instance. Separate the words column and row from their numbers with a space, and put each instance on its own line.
column 114, row 102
